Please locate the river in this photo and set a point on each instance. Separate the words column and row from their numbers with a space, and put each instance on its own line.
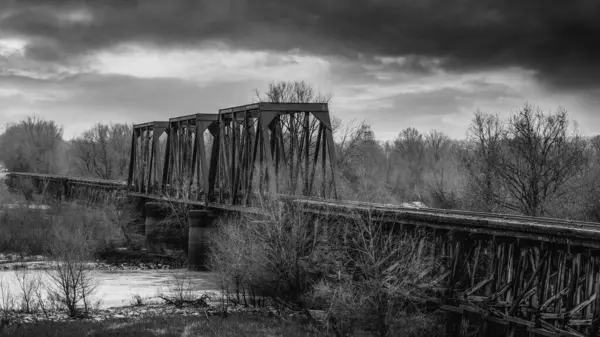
column 117, row 287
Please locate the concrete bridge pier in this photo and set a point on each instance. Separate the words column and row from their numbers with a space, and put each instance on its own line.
column 200, row 222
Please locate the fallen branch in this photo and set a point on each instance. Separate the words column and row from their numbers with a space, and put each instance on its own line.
column 198, row 302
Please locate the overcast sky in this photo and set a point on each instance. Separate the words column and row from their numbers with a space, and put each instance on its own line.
column 393, row 63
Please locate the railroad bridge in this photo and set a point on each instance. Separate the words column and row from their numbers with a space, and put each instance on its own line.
column 528, row 275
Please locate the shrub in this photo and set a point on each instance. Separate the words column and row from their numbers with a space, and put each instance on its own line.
column 442, row 198
column 384, row 273
column 25, row 230
column 280, row 254
column 180, row 291
column 29, row 285
column 71, row 280
column 368, row 276
column 31, row 229
column 7, row 302
column 175, row 225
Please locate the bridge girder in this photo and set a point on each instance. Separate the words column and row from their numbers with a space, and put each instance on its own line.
column 235, row 155
column 145, row 155
column 275, row 148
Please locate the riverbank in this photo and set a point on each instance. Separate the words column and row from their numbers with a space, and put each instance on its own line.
column 170, row 324
column 205, row 309
column 119, row 259
column 207, row 314
column 31, row 230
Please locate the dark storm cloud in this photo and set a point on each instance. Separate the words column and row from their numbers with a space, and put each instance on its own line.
column 559, row 39
column 117, row 95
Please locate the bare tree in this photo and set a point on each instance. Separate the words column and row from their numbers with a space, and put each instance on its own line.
column 438, row 153
column 585, row 190
column 595, row 143
column 31, row 146
column 479, row 159
column 409, row 154
column 103, row 151
column 294, row 127
column 292, row 92
column 439, row 165
column 353, row 136
column 541, row 153
column 7, row 303
column 362, row 162
column 29, row 285
column 280, row 256
column 72, row 284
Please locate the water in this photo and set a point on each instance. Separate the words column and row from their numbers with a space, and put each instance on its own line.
column 117, row 288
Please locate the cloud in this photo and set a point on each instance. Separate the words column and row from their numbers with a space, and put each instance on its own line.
column 394, row 63
column 216, row 63
column 81, row 100
column 442, row 102
column 559, row 41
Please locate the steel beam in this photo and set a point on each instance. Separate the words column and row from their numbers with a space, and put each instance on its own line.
column 274, row 148
column 144, row 157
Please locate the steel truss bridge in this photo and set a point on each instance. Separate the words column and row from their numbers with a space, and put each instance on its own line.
column 534, row 276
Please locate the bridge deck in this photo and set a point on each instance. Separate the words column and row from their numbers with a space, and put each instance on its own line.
column 567, row 232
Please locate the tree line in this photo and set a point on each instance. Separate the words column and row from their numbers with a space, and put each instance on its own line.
column 37, row 145
column 532, row 163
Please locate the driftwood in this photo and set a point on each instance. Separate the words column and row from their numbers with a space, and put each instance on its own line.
column 179, row 303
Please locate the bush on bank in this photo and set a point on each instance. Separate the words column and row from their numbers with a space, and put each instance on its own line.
column 33, row 226
column 38, row 231
column 364, row 276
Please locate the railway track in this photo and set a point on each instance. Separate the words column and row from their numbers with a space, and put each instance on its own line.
column 88, row 181
column 527, row 227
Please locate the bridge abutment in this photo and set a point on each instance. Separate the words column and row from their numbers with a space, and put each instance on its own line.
column 201, row 223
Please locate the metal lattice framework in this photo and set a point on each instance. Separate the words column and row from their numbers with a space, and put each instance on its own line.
column 237, row 154
column 146, row 158
column 281, row 148
column 186, row 170
column 516, row 275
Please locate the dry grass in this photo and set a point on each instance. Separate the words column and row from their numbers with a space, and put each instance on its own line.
column 233, row 326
